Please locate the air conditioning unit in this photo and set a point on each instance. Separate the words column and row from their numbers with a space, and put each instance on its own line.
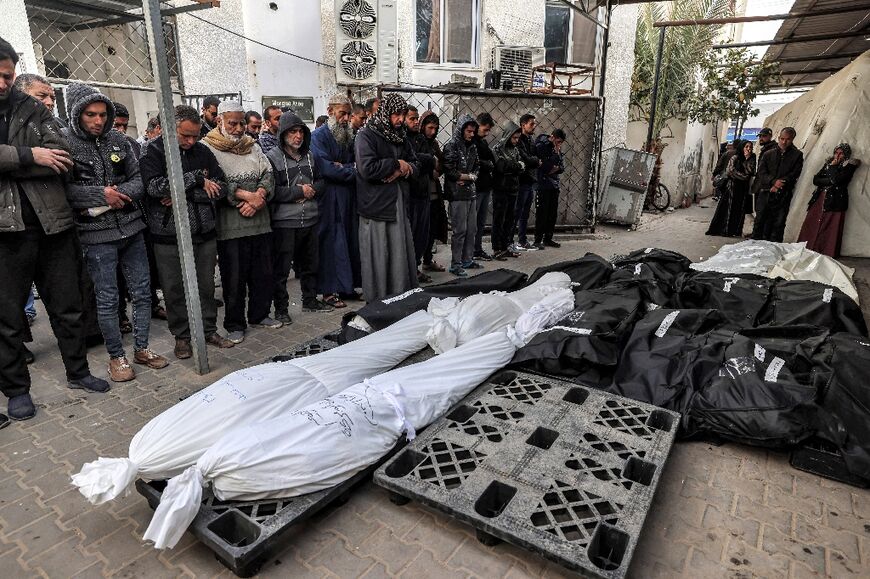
column 366, row 42
column 516, row 63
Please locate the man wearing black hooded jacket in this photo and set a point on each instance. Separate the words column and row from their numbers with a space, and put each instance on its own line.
column 485, row 123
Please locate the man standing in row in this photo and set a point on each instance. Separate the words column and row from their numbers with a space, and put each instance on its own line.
column 485, row 123
column 460, row 173
column 385, row 162
column 204, row 183
column 528, row 179
column 38, row 241
column 209, row 115
column 338, row 247
column 778, row 172
column 269, row 135
column 244, row 228
column 253, row 125
column 765, row 144
column 105, row 192
column 418, row 204
column 294, row 210
column 549, row 151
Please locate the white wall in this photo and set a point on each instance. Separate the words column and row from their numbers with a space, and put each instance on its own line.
column 620, row 64
column 15, row 29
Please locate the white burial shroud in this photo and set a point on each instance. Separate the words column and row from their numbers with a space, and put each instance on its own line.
column 327, row 442
column 176, row 438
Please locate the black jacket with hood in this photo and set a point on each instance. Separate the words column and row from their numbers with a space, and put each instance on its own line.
column 289, row 207
column 29, row 192
column 101, row 161
column 486, row 158
column 834, row 181
column 460, row 157
column 529, row 155
column 427, row 155
column 376, row 159
column 197, row 164
column 778, row 164
column 508, row 163
column 548, row 179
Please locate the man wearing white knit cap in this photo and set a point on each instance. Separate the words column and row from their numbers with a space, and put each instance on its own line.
column 244, row 230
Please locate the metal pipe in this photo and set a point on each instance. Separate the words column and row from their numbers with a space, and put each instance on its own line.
column 803, row 58
column 811, row 71
column 134, row 17
column 655, row 89
column 157, row 48
column 599, row 140
column 793, row 39
column 765, row 18
column 475, row 92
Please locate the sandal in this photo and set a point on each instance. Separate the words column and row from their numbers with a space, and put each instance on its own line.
column 334, row 301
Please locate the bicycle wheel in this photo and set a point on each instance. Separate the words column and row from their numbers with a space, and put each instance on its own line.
column 662, row 198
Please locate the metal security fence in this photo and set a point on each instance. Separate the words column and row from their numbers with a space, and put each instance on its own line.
column 578, row 116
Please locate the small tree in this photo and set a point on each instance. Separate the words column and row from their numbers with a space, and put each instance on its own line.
column 730, row 82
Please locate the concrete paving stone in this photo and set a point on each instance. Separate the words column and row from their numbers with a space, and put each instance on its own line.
column 745, row 559
column 779, row 519
column 151, row 566
column 840, row 498
column 306, row 542
column 483, row 561
column 37, row 466
column 349, row 525
column 844, row 522
column 67, row 556
column 807, row 531
column 839, row 565
column 673, row 559
column 342, row 562
column 198, row 561
column 94, row 524
column 715, row 496
column 12, row 489
column 400, row 519
column 287, row 566
column 806, row 506
column 120, row 548
column 377, row 571
column 746, row 487
column 386, row 547
column 526, row 562
column 426, row 567
column 26, row 449
column 13, row 565
column 21, row 512
column 40, row 535
column 52, row 484
column 745, row 530
column 432, row 537
column 775, row 543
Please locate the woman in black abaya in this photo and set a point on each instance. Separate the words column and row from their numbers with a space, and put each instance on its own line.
column 730, row 212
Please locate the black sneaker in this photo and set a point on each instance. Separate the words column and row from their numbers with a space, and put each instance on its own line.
column 21, row 407
column 316, row 306
column 90, row 383
column 4, row 421
column 29, row 358
column 539, row 245
column 500, row 256
column 482, row 256
column 284, row 318
column 551, row 243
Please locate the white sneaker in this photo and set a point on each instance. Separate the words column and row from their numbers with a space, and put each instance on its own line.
column 236, row 337
column 268, row 322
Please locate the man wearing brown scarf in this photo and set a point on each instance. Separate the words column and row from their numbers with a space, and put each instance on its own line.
column 244, row 228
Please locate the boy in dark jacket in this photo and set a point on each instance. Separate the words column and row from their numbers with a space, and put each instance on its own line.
column 105, row 192
column 204, row 182
column 485, row 123
column 418, row 207
column 549, row 149
column 528, row 180
column 505, row 184
column 294, row 211
column 460, row 173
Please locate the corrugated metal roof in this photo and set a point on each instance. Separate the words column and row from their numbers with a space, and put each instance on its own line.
column 796, row 59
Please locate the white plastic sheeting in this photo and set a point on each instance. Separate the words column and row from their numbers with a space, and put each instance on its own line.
column 176, row 438
column 785, row 260
column 327, row 442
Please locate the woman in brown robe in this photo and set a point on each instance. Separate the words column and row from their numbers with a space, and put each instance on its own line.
column 826, row 212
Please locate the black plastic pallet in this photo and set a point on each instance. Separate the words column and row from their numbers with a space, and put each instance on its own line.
column 559, row 469
column 821, row 458
column 244, row 535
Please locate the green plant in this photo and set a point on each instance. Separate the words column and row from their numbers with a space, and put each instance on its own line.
column 684, row 49
column 730, row 81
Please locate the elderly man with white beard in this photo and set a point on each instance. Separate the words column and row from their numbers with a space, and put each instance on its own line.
column 332, row 146
column 244, row 228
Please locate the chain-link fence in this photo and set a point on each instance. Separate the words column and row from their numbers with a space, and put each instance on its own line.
column 577, row 116
column 97, row 43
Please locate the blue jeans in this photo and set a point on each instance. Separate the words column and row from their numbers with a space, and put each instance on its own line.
column 29, row 307
column 482, row 214
column 103, row 260
column 525, row 196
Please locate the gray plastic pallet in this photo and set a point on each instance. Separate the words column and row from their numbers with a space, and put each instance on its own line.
column 244, row 535
column 559, row 469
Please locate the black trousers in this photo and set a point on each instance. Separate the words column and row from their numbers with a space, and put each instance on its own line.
column 172, row 282
column 546, row 209
column 771, row 212
column 418, row 215
column 54, row 263
column 246, row 276
column 502, row 219
column 299, row 250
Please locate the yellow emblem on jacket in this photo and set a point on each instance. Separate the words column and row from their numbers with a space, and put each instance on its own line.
column 115, row 158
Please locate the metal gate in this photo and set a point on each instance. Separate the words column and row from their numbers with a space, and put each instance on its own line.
column 578, row 116
column 195, row 100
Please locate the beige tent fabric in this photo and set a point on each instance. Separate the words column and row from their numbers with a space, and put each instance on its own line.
column 837, row 110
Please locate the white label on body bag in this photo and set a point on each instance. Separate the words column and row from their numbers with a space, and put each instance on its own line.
column 759, row 353
column 666, row 323
column 772, row 372
column 826, row 297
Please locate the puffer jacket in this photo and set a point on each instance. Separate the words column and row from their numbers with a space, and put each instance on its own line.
column 834, row 181
column 31, row 125
column 460, row 157
column 197, row 164
column 99, row 162
column 289, row 207
column 528, row 154
column 508, row 163
column 548, row 179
